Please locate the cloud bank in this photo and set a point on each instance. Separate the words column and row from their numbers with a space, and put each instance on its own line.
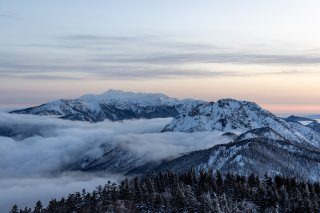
column 37, row 146
column 36, row 152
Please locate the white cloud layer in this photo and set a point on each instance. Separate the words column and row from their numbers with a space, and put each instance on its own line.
column 36, row 151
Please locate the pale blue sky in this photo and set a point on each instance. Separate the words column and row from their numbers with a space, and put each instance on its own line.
column 264, row 51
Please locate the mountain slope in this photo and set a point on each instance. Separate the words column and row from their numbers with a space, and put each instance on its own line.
column 302, row 120
column 114, row 105
column 258, row 155
column 312, row 136
column 315, row 126
column 264, row 132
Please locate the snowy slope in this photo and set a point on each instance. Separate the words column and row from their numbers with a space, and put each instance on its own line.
column 233, row 116
column 299, row 119
column 264, row 132
column 114, row 105
column 312, row 136
column 315, row 126
column 258, row 155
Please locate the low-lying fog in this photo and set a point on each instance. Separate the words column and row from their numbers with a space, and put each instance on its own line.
column 35, row 151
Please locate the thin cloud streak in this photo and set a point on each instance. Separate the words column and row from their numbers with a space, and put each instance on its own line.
column 140, row 57
column 7, row 15
column 231, row 58
column 192, row 52
column 123, row 72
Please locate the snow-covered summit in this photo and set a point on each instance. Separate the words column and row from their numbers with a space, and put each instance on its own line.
column 223, row 115
column 114, row 96
column 236, row 116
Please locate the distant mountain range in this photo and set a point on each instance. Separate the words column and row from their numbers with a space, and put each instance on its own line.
column 314, row 116
column 262, row 142
column 294, row 118
column 311, row 123
column 315, row 126
column 114, row 105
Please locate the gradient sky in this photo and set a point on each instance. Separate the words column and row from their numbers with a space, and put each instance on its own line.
column 263, row 51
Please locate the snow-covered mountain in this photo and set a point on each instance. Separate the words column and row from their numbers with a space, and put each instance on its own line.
column 114, row 105
column 299, row 119
column 314, row 116
column 265, row 138
column 231, row 115
column 256, row 155
column 264, row 132
column 263, row 143
column 315, row 126
column 312, row 136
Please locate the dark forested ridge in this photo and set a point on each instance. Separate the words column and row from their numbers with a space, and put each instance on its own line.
column 191, row 192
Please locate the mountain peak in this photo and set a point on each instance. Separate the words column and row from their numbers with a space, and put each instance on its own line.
column 229, row 102
column 129, row 97
column 121, row 98
column 226, row 106
column 233, row 116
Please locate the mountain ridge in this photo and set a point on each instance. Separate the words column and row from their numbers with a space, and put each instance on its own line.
column 235, row 116
column 257, row 155
column 113, row 105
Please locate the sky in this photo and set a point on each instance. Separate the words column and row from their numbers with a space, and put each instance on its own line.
column 262, row 51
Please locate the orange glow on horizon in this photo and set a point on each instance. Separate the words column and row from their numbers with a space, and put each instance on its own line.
column 304, row 109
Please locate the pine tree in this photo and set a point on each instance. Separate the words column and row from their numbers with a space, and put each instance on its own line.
column 179, row 199
column 124, row 189
column 224, row 204
column 283, row 200
column 137, row 192
column 158, row 203
column 215, row 203
column 14, row 209
column 26, row 210
column 38, row 207
column 260, row 200
column 191, row 200
column 114, row 193
column 206, row 203
column 219, row 182
column 52, row 206
column 253, row 181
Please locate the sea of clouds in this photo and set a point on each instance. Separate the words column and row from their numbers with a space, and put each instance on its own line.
column 36, row 152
